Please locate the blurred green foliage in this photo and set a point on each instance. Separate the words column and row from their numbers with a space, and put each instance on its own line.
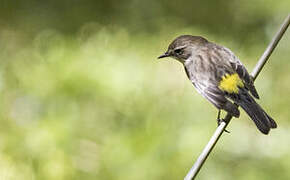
column 82, row 95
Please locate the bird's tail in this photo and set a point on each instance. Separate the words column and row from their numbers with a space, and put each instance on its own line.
column 262, row 120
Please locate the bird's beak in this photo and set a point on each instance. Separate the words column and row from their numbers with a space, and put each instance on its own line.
column 164, row 55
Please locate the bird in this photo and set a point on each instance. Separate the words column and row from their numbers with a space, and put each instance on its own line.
column 220, row 77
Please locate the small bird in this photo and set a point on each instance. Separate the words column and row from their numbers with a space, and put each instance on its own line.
column 220, row 77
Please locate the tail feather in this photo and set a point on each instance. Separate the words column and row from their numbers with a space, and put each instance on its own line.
column 254, row 91
column 272, row 122
column 262, row 120
column 259, row 118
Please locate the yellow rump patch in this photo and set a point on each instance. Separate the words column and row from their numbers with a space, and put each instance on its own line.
column 231, row 83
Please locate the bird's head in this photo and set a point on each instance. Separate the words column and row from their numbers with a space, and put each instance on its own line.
column 183, row 46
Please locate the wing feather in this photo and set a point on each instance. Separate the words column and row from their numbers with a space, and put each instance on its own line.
column 242, row 72
column 245, row 76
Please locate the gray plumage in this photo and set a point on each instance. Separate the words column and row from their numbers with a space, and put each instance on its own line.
column 206, row 64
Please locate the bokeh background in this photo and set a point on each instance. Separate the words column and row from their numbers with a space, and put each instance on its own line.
column 82, row 95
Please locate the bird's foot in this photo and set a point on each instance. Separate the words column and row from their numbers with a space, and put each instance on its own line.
column 219, row 120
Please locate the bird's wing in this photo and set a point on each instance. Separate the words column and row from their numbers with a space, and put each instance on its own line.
column 242, row 72
column 206, row 88
column 217, row 97
column 207, row 84
column 211, row 93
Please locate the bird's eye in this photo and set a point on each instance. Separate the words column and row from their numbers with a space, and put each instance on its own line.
column 178, row 51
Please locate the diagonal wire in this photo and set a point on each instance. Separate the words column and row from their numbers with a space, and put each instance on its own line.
column 220, row 129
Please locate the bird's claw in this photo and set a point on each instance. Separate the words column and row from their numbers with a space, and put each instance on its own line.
column 219, row 122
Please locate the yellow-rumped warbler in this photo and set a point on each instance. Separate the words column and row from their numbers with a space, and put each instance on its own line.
column 220, row 77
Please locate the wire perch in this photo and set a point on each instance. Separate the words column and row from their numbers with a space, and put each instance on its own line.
column 221, row 128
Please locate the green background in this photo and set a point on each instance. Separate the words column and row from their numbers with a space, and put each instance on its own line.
column 82, row 95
